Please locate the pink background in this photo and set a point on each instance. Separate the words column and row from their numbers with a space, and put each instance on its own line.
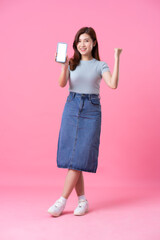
column 31, row 100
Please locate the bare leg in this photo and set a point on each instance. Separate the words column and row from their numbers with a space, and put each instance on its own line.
column 70, row 182
column 79, row 187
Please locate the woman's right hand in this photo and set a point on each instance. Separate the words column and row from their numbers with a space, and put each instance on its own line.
column 66, row 62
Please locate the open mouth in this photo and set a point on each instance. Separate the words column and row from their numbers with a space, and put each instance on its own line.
column 83, row 49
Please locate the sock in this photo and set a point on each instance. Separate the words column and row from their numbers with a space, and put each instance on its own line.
column 63, row 199
column 81, row 197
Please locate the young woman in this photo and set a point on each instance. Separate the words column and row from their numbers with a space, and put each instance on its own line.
column 79, row 135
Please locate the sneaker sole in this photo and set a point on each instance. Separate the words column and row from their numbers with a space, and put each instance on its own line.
column 80, row 214
column 54, row 215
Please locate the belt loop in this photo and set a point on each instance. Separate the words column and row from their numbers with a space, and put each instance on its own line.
column 74, row 94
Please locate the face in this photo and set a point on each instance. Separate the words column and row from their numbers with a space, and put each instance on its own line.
column 85, row 44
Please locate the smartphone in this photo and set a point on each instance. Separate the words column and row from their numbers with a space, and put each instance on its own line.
column 61, row 52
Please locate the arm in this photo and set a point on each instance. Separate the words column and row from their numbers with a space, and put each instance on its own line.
column 112, row 80
column 63, row 76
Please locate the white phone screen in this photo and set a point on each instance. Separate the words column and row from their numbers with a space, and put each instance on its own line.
column 61, row 52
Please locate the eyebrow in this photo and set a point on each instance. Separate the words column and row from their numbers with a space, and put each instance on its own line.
column 84, row 38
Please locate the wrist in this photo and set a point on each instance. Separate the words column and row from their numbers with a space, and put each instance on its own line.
column 64, row 67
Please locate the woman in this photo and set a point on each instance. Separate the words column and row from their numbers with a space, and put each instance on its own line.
column 79, row 135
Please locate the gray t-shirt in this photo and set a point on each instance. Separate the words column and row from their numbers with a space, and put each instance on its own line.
column 87, row 76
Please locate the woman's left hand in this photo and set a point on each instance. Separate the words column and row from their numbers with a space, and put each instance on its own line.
column 117, row 52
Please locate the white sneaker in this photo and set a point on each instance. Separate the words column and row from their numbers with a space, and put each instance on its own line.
column 82, row 207
column 57, row 208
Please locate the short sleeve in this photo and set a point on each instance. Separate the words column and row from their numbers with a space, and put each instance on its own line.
column 104, row 67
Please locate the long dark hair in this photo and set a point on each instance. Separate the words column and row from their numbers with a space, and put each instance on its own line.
column 75, row 60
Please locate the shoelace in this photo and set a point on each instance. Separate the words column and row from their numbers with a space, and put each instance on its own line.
column 58, row 203
column 81, row 203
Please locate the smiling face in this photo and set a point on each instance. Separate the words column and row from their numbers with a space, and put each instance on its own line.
column 85, row 45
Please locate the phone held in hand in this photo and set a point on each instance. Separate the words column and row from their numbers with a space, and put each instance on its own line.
column 61, row 52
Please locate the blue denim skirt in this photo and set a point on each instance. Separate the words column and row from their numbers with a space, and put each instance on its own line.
column 79, row 135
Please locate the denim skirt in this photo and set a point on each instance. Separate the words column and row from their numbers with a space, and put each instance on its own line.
column 79, row 135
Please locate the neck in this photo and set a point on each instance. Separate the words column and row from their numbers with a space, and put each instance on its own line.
column 86, row 58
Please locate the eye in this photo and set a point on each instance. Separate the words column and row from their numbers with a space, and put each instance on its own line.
column 85, row 41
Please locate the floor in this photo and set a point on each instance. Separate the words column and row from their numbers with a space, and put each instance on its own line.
column 115, row 214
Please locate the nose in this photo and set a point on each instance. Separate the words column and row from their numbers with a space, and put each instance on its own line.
column 82, row 44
